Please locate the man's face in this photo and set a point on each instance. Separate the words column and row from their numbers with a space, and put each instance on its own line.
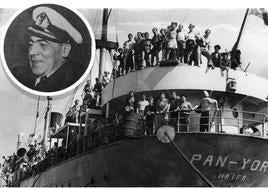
column 180, row 27
column 130, row 37
column 45, row 56
column 139, row 35
column 191, row 29
column 146, row 35
column 144, row 97
column 174, row 95
column 207, row 33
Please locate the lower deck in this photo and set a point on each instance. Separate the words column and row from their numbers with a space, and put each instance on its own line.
column 224, row 159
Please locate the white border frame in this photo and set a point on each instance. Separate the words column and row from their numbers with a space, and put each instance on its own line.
column 66, row 90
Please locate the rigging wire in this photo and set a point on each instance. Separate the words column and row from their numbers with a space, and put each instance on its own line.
column 95, row 23
column 185, row 17
column 70, row 100
column 37, row 114
column 181, row 153
column 41, row 117
column 113, row 63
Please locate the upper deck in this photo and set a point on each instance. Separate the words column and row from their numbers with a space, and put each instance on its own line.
column 185, row 77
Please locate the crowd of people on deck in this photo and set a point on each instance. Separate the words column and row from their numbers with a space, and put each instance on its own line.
column 152, row 113
column 141, row 51
column 174, row 111
column 138, row 52
column 173, row 43
column 91, row 97
column 33, row 158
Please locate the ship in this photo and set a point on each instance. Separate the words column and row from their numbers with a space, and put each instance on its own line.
column 117, row 155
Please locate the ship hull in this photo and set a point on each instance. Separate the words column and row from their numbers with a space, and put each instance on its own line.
column 225, row 160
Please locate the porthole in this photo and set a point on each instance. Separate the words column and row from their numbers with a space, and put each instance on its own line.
column 235, row 113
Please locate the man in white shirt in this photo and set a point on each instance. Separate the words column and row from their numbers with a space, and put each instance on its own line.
column 205, row 48
column 142, row 104
column 128, row 53
column 190, row 45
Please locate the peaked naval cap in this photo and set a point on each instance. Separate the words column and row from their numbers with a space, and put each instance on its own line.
column 51, row 25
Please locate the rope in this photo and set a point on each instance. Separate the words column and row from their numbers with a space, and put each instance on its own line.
column 202, row 176
column 39, row 120
column 36, row 179
column 113, row 62
column 37, row 114
column 95, row 24
column 185, row 17
column 70, row 100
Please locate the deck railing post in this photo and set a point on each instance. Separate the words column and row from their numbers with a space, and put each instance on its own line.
column 262, row 131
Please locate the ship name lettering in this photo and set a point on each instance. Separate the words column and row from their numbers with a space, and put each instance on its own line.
column 245, row 162
column 264, row 166
column 196, row 157
column 220, row 161
column 255, row 165
column 208, row 160
column 231, row 176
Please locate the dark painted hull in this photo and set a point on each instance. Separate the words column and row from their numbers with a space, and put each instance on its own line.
column 225, row 160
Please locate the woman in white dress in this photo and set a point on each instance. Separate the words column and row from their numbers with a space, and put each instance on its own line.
column 172, row 42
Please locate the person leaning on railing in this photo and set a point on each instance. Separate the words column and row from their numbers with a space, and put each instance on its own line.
column 150, row 111
column 204, row 109
column 161, row 110
column 174, row 105
column 185, row 109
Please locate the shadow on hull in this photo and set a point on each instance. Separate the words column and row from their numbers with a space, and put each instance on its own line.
column 225, row 160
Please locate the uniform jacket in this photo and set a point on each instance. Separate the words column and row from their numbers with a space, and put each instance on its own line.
column 64, row 77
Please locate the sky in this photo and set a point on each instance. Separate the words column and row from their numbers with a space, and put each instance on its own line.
column 18, row 108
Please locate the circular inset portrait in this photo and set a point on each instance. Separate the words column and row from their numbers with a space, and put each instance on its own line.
column 48, row 49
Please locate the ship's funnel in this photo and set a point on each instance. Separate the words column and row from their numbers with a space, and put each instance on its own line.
column 55, row 121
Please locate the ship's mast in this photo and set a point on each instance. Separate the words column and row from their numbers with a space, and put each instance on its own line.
column 47, row 118
column 103, row 44
column 105, row 18
column 240, row 33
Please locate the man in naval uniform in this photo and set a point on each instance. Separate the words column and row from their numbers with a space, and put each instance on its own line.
column 51, row 38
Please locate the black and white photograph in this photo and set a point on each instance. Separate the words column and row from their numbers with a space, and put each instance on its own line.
column 47, row 48
column 176, row 95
